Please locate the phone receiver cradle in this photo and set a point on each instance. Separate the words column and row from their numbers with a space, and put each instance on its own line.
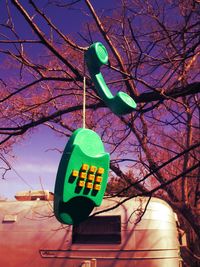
column 81, row 178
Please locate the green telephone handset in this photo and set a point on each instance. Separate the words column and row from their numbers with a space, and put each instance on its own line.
column 95, row 57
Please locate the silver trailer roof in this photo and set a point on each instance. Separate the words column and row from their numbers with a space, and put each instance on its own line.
column 31, row 236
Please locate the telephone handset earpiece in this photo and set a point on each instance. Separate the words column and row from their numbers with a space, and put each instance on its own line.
column 95, row 57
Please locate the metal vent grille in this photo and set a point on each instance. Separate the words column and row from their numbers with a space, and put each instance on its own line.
column 98, row 230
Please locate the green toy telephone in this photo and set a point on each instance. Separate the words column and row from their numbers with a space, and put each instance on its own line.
column 81, row 178
column 95, row 57
column 83, row 170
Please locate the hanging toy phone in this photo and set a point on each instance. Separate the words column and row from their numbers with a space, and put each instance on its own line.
column 83, row 170
column 81, row 178
column 95, row 57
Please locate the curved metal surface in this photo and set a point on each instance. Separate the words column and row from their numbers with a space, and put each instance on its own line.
column 35, row 238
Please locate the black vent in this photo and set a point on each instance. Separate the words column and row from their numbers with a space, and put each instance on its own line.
column 98, row 230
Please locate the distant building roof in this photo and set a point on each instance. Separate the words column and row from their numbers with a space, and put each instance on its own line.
column 34, row 195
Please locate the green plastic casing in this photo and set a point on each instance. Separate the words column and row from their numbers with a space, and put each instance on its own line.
column 73, row 203
column 95, row 57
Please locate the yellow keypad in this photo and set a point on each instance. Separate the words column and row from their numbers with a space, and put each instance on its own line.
column 98, row 179
column 97, row 187
column 81, row 183
column 85, row 167
column 89, row 185
column 75, row 173
column 92, row 169
column 100, row 171
column 89, row 177
column 83, row 175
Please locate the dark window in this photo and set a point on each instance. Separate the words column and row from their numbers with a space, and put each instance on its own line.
column 98, row 230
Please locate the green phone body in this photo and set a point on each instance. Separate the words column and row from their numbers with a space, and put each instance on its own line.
column 95, row 57
column 81, row 178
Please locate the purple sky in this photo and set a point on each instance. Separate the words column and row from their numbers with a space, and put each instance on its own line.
column 35, row 164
